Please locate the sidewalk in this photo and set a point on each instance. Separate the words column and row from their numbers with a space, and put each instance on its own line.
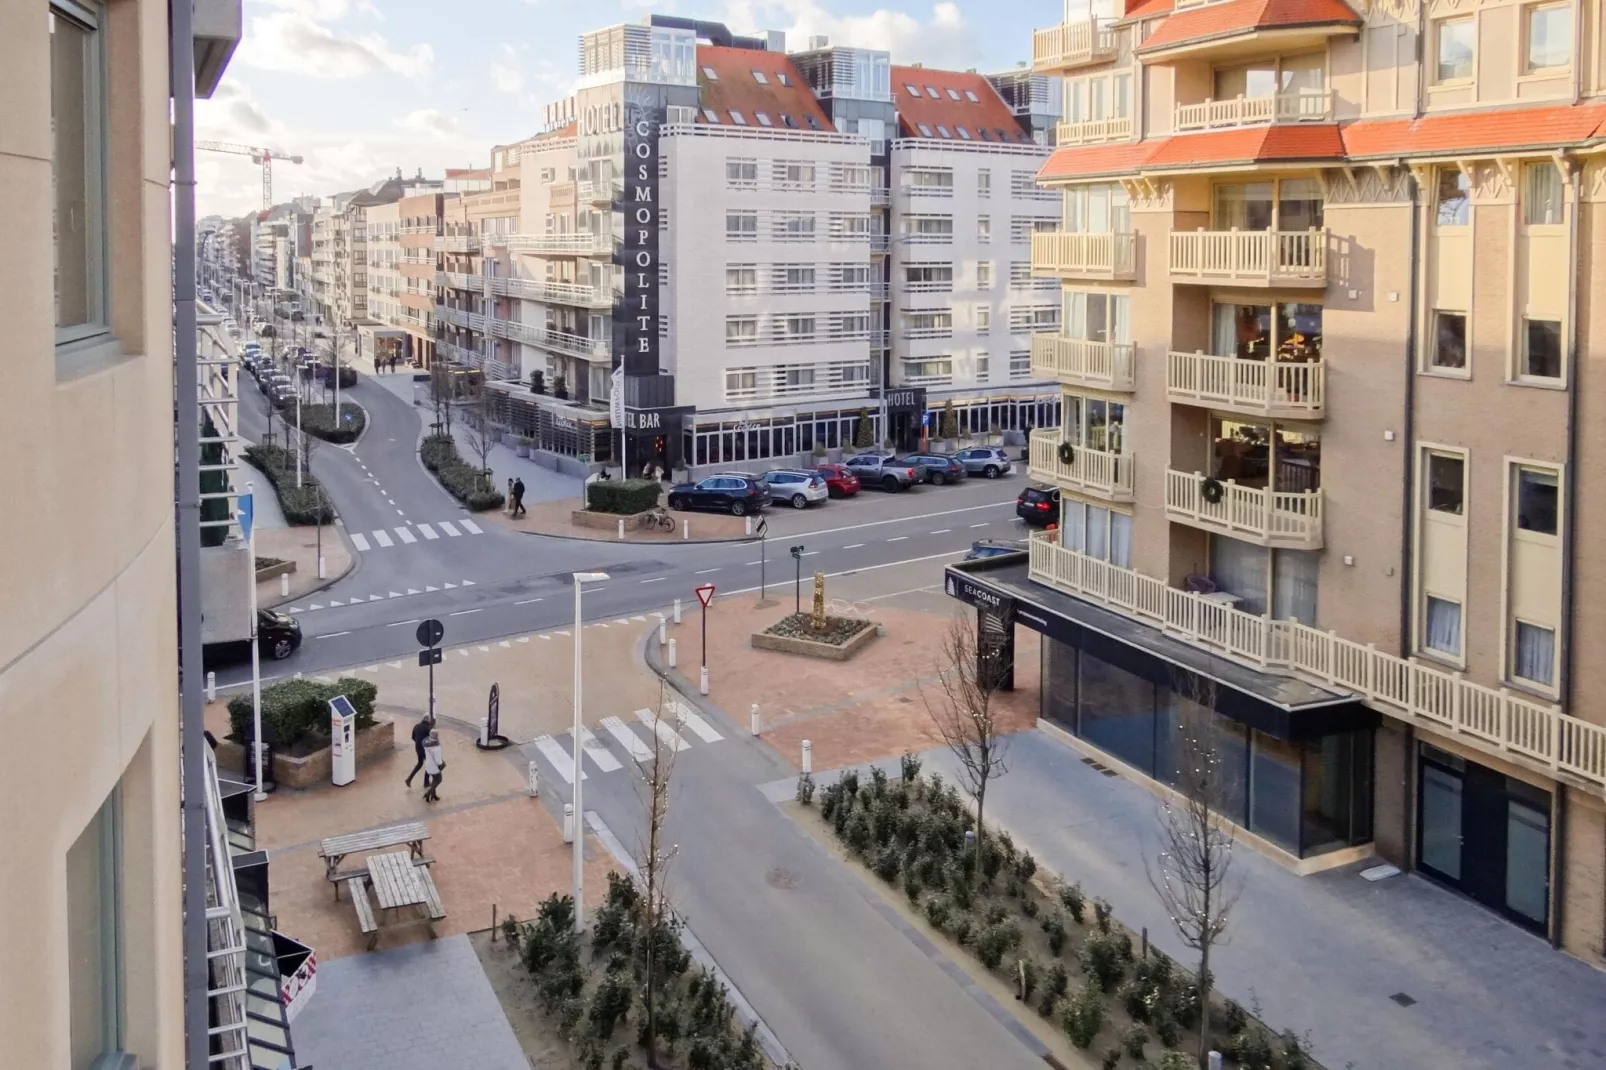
column 540, row 484
column 276, row 538
column 553, row 518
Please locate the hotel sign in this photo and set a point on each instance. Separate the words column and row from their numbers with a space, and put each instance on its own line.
column 635, row 328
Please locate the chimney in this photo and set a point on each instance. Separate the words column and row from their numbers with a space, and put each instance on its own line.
column 774, row 40
column 819, row 41
column 970, row 70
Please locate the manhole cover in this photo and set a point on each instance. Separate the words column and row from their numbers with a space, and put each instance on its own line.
column 1402, row 999
column 784, row 878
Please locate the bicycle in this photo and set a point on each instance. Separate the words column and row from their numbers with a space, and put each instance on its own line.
column 657, row 519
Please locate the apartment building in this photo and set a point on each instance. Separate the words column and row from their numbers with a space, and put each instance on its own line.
column 1328, row 279
column 382, row 338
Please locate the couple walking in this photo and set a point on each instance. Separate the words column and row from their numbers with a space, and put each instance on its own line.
column 431, row 759
column 515, row 497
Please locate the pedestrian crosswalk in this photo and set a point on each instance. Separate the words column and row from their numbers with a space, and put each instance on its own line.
column 408, row 534
column 331, row 603
column 635, row 742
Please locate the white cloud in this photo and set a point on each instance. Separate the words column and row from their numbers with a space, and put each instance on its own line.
column 293, row 42
column 506, row 79
column 431, row 122
column 943, row 39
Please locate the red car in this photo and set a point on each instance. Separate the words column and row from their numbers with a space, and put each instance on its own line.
column 839, row 480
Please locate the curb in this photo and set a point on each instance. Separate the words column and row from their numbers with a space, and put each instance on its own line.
column 332, row 580
column 636, row 542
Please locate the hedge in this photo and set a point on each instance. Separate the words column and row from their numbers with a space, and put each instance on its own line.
column 463, row 481
column 320, row 420
column 625, row 497
column 301, row 505
column 298, row 710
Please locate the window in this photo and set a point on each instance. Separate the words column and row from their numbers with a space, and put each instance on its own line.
column 709, row 73
column 791, row 124
column 1536, row 496
column 1550, row 36
column 984, row 275
column 932, row 93
column 1449, row 340
column 94, row 934
column 1534, row 654
column 984, row 183
column 783, row 79
column 963, row 133
column 914, row 90
column 1541, row 348
column 741, row 381
column 798, row 326
column 1457, row 38
column 1442, row 621
column 711, row 115
column 970, row 95
column 741, row 330
column 758, row 76
column 741, row 226
column 925, row 131
column 984, row 228
column 1541, row 194
column 77, row 174
column 741, row 279
column 794, row 175
column 1452, row 197
column 984, row 318
column 1446, row 483
column 942, row 131
column 1102, row 209
column 737, row 118
column 741, row 172
column 763, row 120
column 953, row 94
column 794, row 278
column 982, row 131
column 794, row 226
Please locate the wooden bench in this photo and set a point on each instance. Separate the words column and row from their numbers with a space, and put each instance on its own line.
column 432, row 900
column 365, row 909
column 335, row 849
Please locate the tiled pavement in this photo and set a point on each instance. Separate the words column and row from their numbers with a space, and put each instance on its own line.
column 422, row 1007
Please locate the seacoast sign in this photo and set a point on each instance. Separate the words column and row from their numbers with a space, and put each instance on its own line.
column 636, row 320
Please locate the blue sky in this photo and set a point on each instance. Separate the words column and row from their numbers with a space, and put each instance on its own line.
column 362, row 87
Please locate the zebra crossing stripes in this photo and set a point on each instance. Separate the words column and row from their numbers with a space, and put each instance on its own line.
column 360, row 541
column 471, row 527
column 446, row 526
column 409, row 534
column 666, row 733
column 404, row 534
column 691, row 719
column 598, row 752
column 638, row 751
column 427, row 531
column 382, row 537
column 557, row 758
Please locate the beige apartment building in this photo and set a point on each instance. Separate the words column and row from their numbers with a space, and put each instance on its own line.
column 1328, row 310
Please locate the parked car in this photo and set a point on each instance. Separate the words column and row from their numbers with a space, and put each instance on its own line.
column 1039, row 506
column 937, row 468
column 989, row 461
column 736, row 495
column 840, row 481
column 797, row 487
column 278, row 636
column 885, row 471
column 983, row 548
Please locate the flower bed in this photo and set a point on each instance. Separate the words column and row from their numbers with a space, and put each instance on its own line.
column 295, row 713
column 320, row 422
column 301, row 505
column 839, row 640
column 467, row 484
column 1065, row 956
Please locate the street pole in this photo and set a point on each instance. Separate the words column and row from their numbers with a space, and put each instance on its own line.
column 301, row 443
column 256, row 651
column 580, row 579
column 763, row 565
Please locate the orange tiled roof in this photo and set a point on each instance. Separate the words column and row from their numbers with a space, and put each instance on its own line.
column 1265, row 144
column 1096, row 160
column 1245, row 16
column 1482, row 131
column 782, row 96
column 1146, row 9
column 920, row 115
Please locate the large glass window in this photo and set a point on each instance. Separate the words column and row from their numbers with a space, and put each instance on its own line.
column 1457, row 38
column 1293, row 585
column 1289, row 204
column 1097, row 317
column 1454, row 207
column 1541, row 194
column 1290, row 332
column 1097, row 210
column 1541, row 348
column 1449, row 339
column 1337, row 796
column 1117, row 711
column 1240, row 569
column 94, row 935
column 1094, row 423
column 1274, row 791
column 1528, row 853
column 1096, row 531
column 1550, row 36
column 77, row 170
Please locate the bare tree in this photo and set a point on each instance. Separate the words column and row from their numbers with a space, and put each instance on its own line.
column 653, row 856
column 962, row 712
column 1192, row 872
column 481, row 437
column 440, row 390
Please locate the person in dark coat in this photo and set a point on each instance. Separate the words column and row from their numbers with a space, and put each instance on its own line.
column 421, row 732
column 518, row 498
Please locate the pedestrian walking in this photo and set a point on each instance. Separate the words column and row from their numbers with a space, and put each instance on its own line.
column 421, row 732
column 434, row 764
column 518, row 498
column 507, row 507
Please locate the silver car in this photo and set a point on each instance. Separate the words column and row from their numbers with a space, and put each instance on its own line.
column 796, row 487
column 989, row 461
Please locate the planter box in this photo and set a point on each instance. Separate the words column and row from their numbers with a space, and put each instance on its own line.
column 523, row 450
column 834, row 456
column 585, row 518
column 313, row 770
column 275, row 571
column 808, row 648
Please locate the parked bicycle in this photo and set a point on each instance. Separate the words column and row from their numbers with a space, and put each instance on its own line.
column 657, row 520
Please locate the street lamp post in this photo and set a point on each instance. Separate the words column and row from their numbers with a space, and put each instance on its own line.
column 301, row 432
column 580, row 579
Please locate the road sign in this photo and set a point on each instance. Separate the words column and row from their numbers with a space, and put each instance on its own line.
column 246, row 513
column 763, row 527
column 430, row 656
column 430, row 632
column 705, row 594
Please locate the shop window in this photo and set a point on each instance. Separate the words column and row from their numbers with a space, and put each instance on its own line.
column 1117, row 711
column 1336, row 808
column 1274, row 790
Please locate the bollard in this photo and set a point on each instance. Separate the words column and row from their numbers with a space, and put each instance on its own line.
column 671, row 653
column 677, row 611
column 211, row 687
column 321, row 568
column 755, row 719
column 661, row 631
column 750, row 523
column 808, row 757
column 621, row 527
column 568, row 822
column 1215, row 1060
column 702, row 682
column 284, row 585
column 533, row 778
column 685, row 529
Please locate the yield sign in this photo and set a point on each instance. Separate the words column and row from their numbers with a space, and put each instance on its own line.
column 705, row 594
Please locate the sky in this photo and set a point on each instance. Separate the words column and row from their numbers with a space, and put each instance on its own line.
column 360, row 88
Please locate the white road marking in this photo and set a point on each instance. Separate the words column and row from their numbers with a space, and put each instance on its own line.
column 563, row 631
column 755, row 562
column 622, row 621
column 361, row 541
column 297, row 609
column 505, row 643
column 462, row 652
column 694, row 721
column 413, row 590
column 399, row 623
column 640, row 617
column 942, row 531
column 427, row 531
column 375, row 598
column 446, row 526
column 983, row 524
column 853, row 546
column 451, row 586
column 898, row 538
column 383, row 539
column 485, row 650
column 471, row 527
column 598, row 751
column 315, row 606
column 558, row 758
column 394, row 594
column 462, row 613
column 334, row 601
column 468, row 583
column 394, row 664
column 390, row 501
column 524, row 639
column 808, row 553
column 668, row 735
column 547, row 637
column 331, row 635
column 370, row 668
column 704, row 572
column 656, row 579
column 638, row 751
column 428, row 588
column 526, row 602
column 400, row 513
column 404, row 534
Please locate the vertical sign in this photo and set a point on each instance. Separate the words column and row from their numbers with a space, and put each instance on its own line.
column 635, row 329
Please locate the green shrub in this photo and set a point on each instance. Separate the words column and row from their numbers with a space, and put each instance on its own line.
column 1176, row 1060
column 1101, row 959
column 1155, row 970
column 1111, row 1058
column 911, row 886
column 305, row 504
column 937, row 911
column 1139, row 999
column 1028, row 906
column 909, row 766
column 858, row 832
column 996, row 940
column 1084, row 1015
column 610, row 1005
column 1025, row 866
column 1295, row 1053
column 469, row 485
column 297, row 710
column 1134, row 1039
column 887, row 864
column 1055, row 985
column 1234, row 1019
column 1101, row 915
column 1165, row 1028
column 1055, row 928
column 1250, row 1048
column 962, row 928
column 805, row 788
column 863, row 434
column 1071, row 895
column 624, row 497
column 320, row 420
column 948, row 426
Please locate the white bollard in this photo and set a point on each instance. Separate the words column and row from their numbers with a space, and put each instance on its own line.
column 211, row 687
column 661, row 639
column 808, row 757
column 755, row 719
column 671, row 653
column 621, row 527
column 702, row 683
column 321, row 568
column 284, row 585
column 568, row 822
column 677, row 611
column 685, row 529
column 533, row 779
column 1215, row 1060
column 750, row 523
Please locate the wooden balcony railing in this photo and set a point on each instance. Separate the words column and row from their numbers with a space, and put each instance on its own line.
column 1093, row 131
column 1103, row 256
column 1302, row 106
column 1267, row 257
column 1073, row 44
column 1259, row 514
column 1496, row 722
column 1090, row 471
column 1256, row 387
column 1101, row 365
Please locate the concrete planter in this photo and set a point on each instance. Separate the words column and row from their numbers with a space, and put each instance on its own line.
column 522, row 449
column 585, row 518
column 313, row 770
column 834, row 456
column 809, row 648
column 275, row 571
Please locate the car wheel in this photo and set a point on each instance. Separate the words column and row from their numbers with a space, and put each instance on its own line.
column 282, row 649
column 799, row 502
column 938, row 478
column 890, row 484
column 738, row 508
column 678, row 504
column 991, row 471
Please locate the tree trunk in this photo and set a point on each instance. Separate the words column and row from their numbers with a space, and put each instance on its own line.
column 975, row 865
column 1204, row 1005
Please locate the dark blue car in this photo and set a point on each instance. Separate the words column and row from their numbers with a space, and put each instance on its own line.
column 737, row 495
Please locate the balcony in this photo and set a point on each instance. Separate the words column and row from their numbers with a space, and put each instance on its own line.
column 1252, row 387
column 1097, row 473
column 1256, row 257
column 1305, row 106
column 1084, row 256
column 561, row 244
column 1093, row 131
column 1074, row 362
column 560, row 293
column 600, row 192
column 456, row 281
column 1291, row 520
column 458, row 243
column 1071, row 45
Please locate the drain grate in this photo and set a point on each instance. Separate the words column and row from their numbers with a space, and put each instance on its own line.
column 1402, row 999
column 1107, row 771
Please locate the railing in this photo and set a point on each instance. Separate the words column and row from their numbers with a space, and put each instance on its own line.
column 1072, row 44
column 229, row 1032
column 1091, row 471
column 561, row 341
column 1093, row 131
column 566, row 293
column 561, row 244
column 879, row 243
column 1265, row 256
column 1259, row 387
column 1103, row 255
column 880, row 195
column 456, row 280
column 1497, row 722
column 1101, row 365
column 1269, row 517
column 600, row 192
column 1301, row 106
column 458, row 243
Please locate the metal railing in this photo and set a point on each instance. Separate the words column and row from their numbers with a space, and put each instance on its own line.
column 1072, row 44
column 1300, row 106
column 1090, row 471
column 1257, row 387
column 1265, row 256
column 561, row 244
column 564, row 293
column 1093, row 131
column 1269, row 517
column 1110, row 256
column 458, row 243
column 1101, row 365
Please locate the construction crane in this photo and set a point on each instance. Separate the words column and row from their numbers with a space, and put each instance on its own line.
column 265, row 157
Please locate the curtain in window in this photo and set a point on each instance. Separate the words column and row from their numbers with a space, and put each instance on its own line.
column 1098, row 532
column 1541, row 194
column 1293, row 585
column 1098, row 209
column 1120, row 318
column 1244, row 206
column 1240, row 568
column 1443, row 626
column 1121, row 540
column 1299, row 204
column 1302, row 72
column 1073, row 525
column 1536, row 653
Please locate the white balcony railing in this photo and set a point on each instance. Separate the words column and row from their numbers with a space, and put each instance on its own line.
column 1259, row 514
column 458, row 243
column 1090, row 471
column 563, row 293
column 1256, row 387
column 1093, row 131
column 1267, row 257
column 1497, row 722
column 456, row 280
column 561, row 244
column 1105, row 256
column 1302, row 106
column 1072, row 44
column 1075, row 362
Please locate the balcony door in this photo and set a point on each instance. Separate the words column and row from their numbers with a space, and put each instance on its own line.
column 1285, row 204
column 1290, row 331
column 1097, row 210
column 1097, row 317
column 1291, row 75
column 1094, row 423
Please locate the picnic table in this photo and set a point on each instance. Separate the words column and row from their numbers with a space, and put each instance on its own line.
column 335, row 849
column 400, row 883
